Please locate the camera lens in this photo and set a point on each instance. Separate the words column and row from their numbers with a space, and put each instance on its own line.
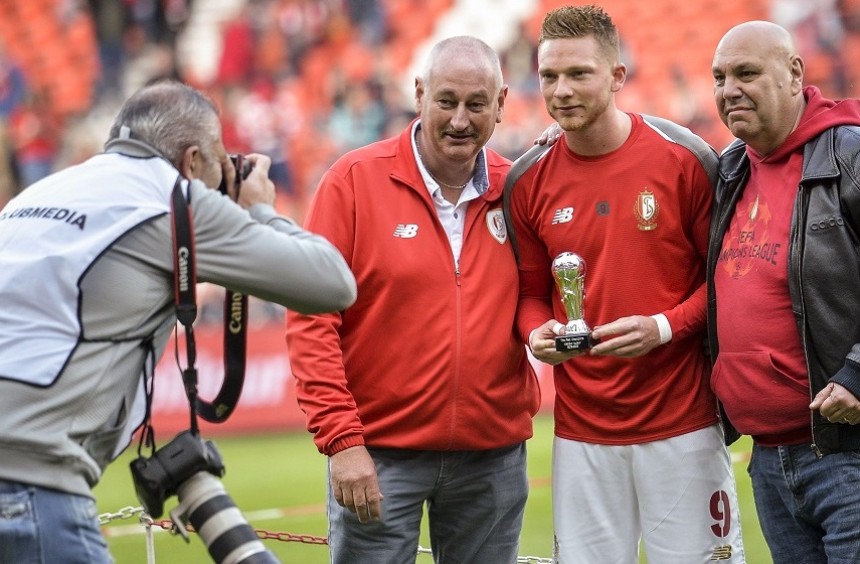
column 220, row 524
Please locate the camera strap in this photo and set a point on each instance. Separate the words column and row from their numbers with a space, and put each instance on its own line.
column 235, row 321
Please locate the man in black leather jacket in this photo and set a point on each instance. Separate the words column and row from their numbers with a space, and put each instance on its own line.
column 784, row 293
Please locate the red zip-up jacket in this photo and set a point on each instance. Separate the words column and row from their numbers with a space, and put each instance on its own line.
column 427, row 358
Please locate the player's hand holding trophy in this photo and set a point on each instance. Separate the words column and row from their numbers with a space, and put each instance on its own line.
column 568, row 270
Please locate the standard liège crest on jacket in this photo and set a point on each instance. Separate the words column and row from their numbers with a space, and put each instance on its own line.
column 496, row 225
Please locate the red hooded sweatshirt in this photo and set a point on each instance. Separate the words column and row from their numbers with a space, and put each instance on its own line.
column 760, row 374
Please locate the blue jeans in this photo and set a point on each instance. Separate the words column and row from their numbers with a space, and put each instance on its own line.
column 809, row 509
column 475, row 503
column 43, row 526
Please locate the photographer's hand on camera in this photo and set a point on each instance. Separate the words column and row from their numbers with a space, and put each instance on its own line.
column 256, row 188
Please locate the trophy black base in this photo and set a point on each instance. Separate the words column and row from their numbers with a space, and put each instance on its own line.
column 573, row 342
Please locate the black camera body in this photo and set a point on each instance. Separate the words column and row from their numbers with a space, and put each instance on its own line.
column 158, row 477
column 243, row 169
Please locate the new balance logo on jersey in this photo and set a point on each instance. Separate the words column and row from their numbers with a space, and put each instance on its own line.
column 562, row 215
column 406, row 230
column 722, row 553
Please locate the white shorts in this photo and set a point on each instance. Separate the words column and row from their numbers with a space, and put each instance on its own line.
column 678, row 495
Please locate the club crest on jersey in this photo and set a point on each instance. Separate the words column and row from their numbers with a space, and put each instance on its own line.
column 496, row 225
column 646, row 209
column 406, row 230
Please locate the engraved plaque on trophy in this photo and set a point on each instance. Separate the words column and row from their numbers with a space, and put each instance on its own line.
column 568, row 270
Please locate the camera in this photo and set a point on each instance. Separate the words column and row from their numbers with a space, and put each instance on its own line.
column 243, row 169
column 190, row 467
column 159, row 477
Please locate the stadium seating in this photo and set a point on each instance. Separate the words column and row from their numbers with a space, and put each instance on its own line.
column 57, row 50
column 668, row 45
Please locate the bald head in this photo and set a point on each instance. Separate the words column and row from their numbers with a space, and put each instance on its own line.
column 758, row 84
column 760, row 36
column 464, row 50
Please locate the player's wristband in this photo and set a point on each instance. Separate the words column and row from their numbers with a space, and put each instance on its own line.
column 664, row 328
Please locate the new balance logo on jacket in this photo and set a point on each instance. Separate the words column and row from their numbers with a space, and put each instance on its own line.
column 406, row 230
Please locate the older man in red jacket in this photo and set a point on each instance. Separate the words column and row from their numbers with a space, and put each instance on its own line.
column 421, row 392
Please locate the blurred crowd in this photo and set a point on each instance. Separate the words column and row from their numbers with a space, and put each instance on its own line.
column 305, row 80
column 299, row 80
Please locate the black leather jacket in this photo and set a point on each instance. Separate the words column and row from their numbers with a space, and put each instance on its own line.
column 824, row 268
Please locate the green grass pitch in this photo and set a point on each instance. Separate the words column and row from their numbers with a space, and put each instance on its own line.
column 285, row 473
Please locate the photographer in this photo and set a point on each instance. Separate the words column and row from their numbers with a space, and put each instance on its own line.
column 87, row 290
